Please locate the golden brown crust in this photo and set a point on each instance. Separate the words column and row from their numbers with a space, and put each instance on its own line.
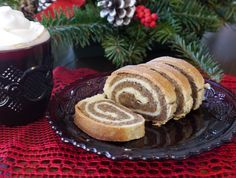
column 181, row 81
column 165, row 86
column 185, row 66
column 106, row 132
column 173, row 73
column 188, row 70
column 200, row 96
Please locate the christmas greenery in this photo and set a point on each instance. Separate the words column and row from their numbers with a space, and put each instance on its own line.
column 83, row 27
column 181, row 25
column 225, row 9
column 13, row 3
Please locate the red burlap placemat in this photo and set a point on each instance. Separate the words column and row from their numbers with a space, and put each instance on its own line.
column 35, row 150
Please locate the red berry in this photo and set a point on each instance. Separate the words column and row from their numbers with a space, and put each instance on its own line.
column 141, row 7
column 147, row 11
column 148, row 19
column 143, row 21
column 137, row 10
column 154, row 16
column 140, row 14
column 153, row 24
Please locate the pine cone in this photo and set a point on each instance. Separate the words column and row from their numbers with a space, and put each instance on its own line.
column 43, row 4
column 118, row 12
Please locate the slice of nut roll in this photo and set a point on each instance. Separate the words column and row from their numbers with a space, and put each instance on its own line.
column 194, row 76
column 183, row 89
column 106, row 120
column 144, row 91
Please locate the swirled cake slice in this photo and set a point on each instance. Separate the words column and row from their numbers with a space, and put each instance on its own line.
column 194, row 76
column 106, row 120
column 183, row 89
column 143, row 91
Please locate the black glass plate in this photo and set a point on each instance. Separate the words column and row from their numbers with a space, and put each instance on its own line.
column 204, row 129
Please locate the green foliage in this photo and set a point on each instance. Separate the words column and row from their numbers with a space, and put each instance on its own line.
column 121, row 51
column 226, row 9
column 195, row 17
column 167, row 30
column 13, row 3
column 81, row 27
column 181, row 26
column 126, row 47
column 199, row 55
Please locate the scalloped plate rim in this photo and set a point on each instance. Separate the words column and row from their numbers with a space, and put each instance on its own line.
column 225, row 138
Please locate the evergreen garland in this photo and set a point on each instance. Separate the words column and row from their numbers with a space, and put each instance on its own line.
column 181, row 26
column 84, row 26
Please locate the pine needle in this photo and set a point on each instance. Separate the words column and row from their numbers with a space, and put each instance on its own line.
column 84, row 27
column 199, row 54
column 15, row 4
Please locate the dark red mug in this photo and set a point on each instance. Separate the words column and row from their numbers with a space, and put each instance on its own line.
column 25, row 83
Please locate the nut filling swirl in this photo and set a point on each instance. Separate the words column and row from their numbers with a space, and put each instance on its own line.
column 107, row 112
column 141, row 94
column 106, row 120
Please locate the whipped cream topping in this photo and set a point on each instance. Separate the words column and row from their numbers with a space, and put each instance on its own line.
column 16, row 31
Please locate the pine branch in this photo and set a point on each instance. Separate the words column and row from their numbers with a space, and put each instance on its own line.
column 167, row 30
column 164, row 7
column 226, row 9
column 83, row 34
column 115, row 49
column 199, row 54
column 181, row 25
column 172, row 31
column 129, row 45
column 195, row 17
column 15, row 4
column 82, row 28
column 122, row 51
column 141, row 35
